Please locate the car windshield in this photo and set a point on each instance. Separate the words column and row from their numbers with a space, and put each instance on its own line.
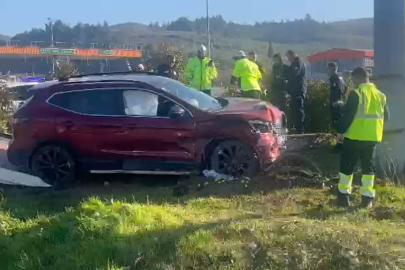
column 191, row 96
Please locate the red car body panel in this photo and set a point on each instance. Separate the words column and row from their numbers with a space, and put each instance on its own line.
column 131, row 142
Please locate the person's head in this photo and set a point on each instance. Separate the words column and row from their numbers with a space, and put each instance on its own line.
column 291, row 55
column 239, row 55
column 277, row 59
column 332, row 69
column 359, row 76
column 252, row 56
column 202, row 52
column 170, row 60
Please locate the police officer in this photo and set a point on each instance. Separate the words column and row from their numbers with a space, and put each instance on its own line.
column 167, row 69
column 201, row 71
column 297, row 88
column 248, row 74
column 337, row 96
column 360, row 130
column 278, row 86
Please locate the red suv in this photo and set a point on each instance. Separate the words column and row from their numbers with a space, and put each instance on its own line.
column 140, row 124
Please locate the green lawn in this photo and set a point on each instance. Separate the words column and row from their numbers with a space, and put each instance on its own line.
column 133, row 226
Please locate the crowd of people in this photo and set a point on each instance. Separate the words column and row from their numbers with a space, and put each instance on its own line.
column 358, row 119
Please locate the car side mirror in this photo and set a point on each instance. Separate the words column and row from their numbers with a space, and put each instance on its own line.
column 176, row 112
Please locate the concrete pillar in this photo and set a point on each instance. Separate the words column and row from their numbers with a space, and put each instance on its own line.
column 389, row 75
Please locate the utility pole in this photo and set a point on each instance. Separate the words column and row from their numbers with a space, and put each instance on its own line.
column 208, row 28
column 389, row 75
column 52, row 44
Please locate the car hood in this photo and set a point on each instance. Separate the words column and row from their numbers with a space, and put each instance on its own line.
column 250, row 109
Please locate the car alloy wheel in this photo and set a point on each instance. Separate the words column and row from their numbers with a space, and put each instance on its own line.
column 54, row 165
column 234, row 158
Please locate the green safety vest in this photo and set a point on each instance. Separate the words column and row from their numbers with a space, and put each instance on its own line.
column 368, row 124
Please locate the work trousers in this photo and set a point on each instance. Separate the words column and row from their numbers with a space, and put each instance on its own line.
column 256, row 94
column 207, row 91
column 279, row 100
column 298, row 113
column 352, row 152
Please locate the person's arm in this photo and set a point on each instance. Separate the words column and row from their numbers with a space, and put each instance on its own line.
column 297, row 68
column 213, row 73
column 349, row 112
column 236, row 74
column 387, row 114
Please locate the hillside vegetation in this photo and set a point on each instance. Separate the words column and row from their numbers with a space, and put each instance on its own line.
column 306, row 36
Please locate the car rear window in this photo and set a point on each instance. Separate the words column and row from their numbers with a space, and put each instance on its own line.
column 90, row 102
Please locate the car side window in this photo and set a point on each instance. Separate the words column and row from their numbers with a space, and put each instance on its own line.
column 145, row 103
column 90, row 102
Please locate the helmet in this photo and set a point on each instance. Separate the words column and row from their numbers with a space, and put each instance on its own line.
column 140, row 67
column 203, row 49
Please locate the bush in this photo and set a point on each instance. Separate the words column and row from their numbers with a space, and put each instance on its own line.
column 317, row 111
column 5, row 110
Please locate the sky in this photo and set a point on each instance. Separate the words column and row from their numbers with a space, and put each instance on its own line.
column 16, row 18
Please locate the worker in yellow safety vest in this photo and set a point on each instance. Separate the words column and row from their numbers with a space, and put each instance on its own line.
column 201, row 71
column 249, row 75
column 360, row 130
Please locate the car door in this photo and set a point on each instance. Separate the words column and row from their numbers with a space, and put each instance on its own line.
column 154, row 141
column 89, row 120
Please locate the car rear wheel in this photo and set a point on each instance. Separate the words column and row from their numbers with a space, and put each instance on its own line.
column 234, row 158
column 55, row 166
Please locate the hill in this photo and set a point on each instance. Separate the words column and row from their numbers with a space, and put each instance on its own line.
column 305, row 36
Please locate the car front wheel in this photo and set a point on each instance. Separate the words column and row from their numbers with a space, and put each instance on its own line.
column 54, row 165
column 234, row 158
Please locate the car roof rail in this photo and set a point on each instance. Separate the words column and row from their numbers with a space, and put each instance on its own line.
column 64, row 79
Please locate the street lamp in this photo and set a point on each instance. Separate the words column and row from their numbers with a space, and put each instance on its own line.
column 52, row 44
column 208, row 27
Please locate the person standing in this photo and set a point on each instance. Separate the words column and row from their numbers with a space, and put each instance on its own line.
column 201, row 71
column 249, row 75
column 297, row 88
column 337, row 96
column 360, row 130
column 167, row 69
column 252, row 56
column 278, row 85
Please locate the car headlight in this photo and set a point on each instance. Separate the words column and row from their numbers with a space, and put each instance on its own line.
column 260, row 126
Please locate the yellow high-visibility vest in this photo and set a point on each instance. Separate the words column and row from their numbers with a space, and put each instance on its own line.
column 368, row 124
column 249, row 74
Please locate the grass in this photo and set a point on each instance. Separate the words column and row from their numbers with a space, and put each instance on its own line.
column 137, row 226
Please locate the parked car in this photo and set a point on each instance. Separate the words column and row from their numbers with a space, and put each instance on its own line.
column 19, row 92
column 140, row 124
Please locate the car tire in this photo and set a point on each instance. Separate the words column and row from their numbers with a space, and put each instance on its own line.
column 235, row 158
column 55, row 166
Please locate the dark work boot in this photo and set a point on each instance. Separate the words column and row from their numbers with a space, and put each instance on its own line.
column 343, row 200
column 367, row 202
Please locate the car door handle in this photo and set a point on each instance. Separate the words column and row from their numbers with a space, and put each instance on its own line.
column 130, row 127
column 67, row 124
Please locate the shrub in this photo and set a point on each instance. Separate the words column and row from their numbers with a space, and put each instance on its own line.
column 5, row 110
column 317, row 111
